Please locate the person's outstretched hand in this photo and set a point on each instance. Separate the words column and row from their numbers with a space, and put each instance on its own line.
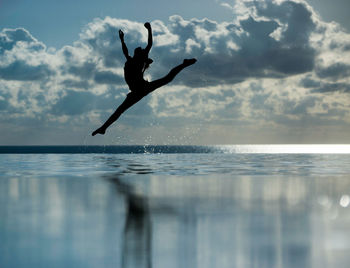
column 147, row 25
column 121, row 35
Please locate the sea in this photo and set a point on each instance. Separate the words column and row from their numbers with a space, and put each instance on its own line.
column 175, row 206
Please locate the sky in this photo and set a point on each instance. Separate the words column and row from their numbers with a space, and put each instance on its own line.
column 268, row 71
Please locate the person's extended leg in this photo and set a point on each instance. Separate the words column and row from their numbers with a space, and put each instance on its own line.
column 129, row 101
column 170, row 76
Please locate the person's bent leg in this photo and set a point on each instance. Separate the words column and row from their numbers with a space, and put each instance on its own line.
column 170, row 76
column 129, row 101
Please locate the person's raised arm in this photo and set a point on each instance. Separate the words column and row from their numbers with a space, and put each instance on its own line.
column 150, row 38
column 124, row 47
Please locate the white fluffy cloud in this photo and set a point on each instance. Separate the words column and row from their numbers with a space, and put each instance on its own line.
column 275, row 65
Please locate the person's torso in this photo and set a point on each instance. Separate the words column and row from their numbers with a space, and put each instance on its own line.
column 134, row 69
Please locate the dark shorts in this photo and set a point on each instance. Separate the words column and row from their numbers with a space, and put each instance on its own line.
column 140, row 88
column 144, row 87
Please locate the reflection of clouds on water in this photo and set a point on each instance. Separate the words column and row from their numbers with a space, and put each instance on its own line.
column 60, row 221
column 174, row 221
column 237, row 222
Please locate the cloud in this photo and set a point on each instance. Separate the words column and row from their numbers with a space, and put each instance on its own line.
column 107, row 77
column 21, row 56
column 332, row 87
column 232, row 52
column 335, row 71
column 277, row 63
column 73, row 103
column 21, row 71
column 9, row 38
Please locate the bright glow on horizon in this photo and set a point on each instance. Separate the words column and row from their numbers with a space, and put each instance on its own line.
column 288, row 149
column 345, row 201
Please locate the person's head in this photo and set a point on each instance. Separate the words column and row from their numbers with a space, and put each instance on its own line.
column 137, row 52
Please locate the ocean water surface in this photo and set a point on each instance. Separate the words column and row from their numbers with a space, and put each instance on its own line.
column 175, row 206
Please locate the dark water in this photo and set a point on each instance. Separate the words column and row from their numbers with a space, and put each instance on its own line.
column 181, row 149
column 212, row 209
column 118, row 149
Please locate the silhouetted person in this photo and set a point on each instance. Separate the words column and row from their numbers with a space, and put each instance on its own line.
column 133, row 73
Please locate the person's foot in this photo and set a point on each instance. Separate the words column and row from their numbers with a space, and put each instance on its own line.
column 99, row 131
column 188, row 62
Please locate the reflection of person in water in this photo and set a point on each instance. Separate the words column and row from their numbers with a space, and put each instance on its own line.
column 133, row 72
column 137, row 235
column 137, row 249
